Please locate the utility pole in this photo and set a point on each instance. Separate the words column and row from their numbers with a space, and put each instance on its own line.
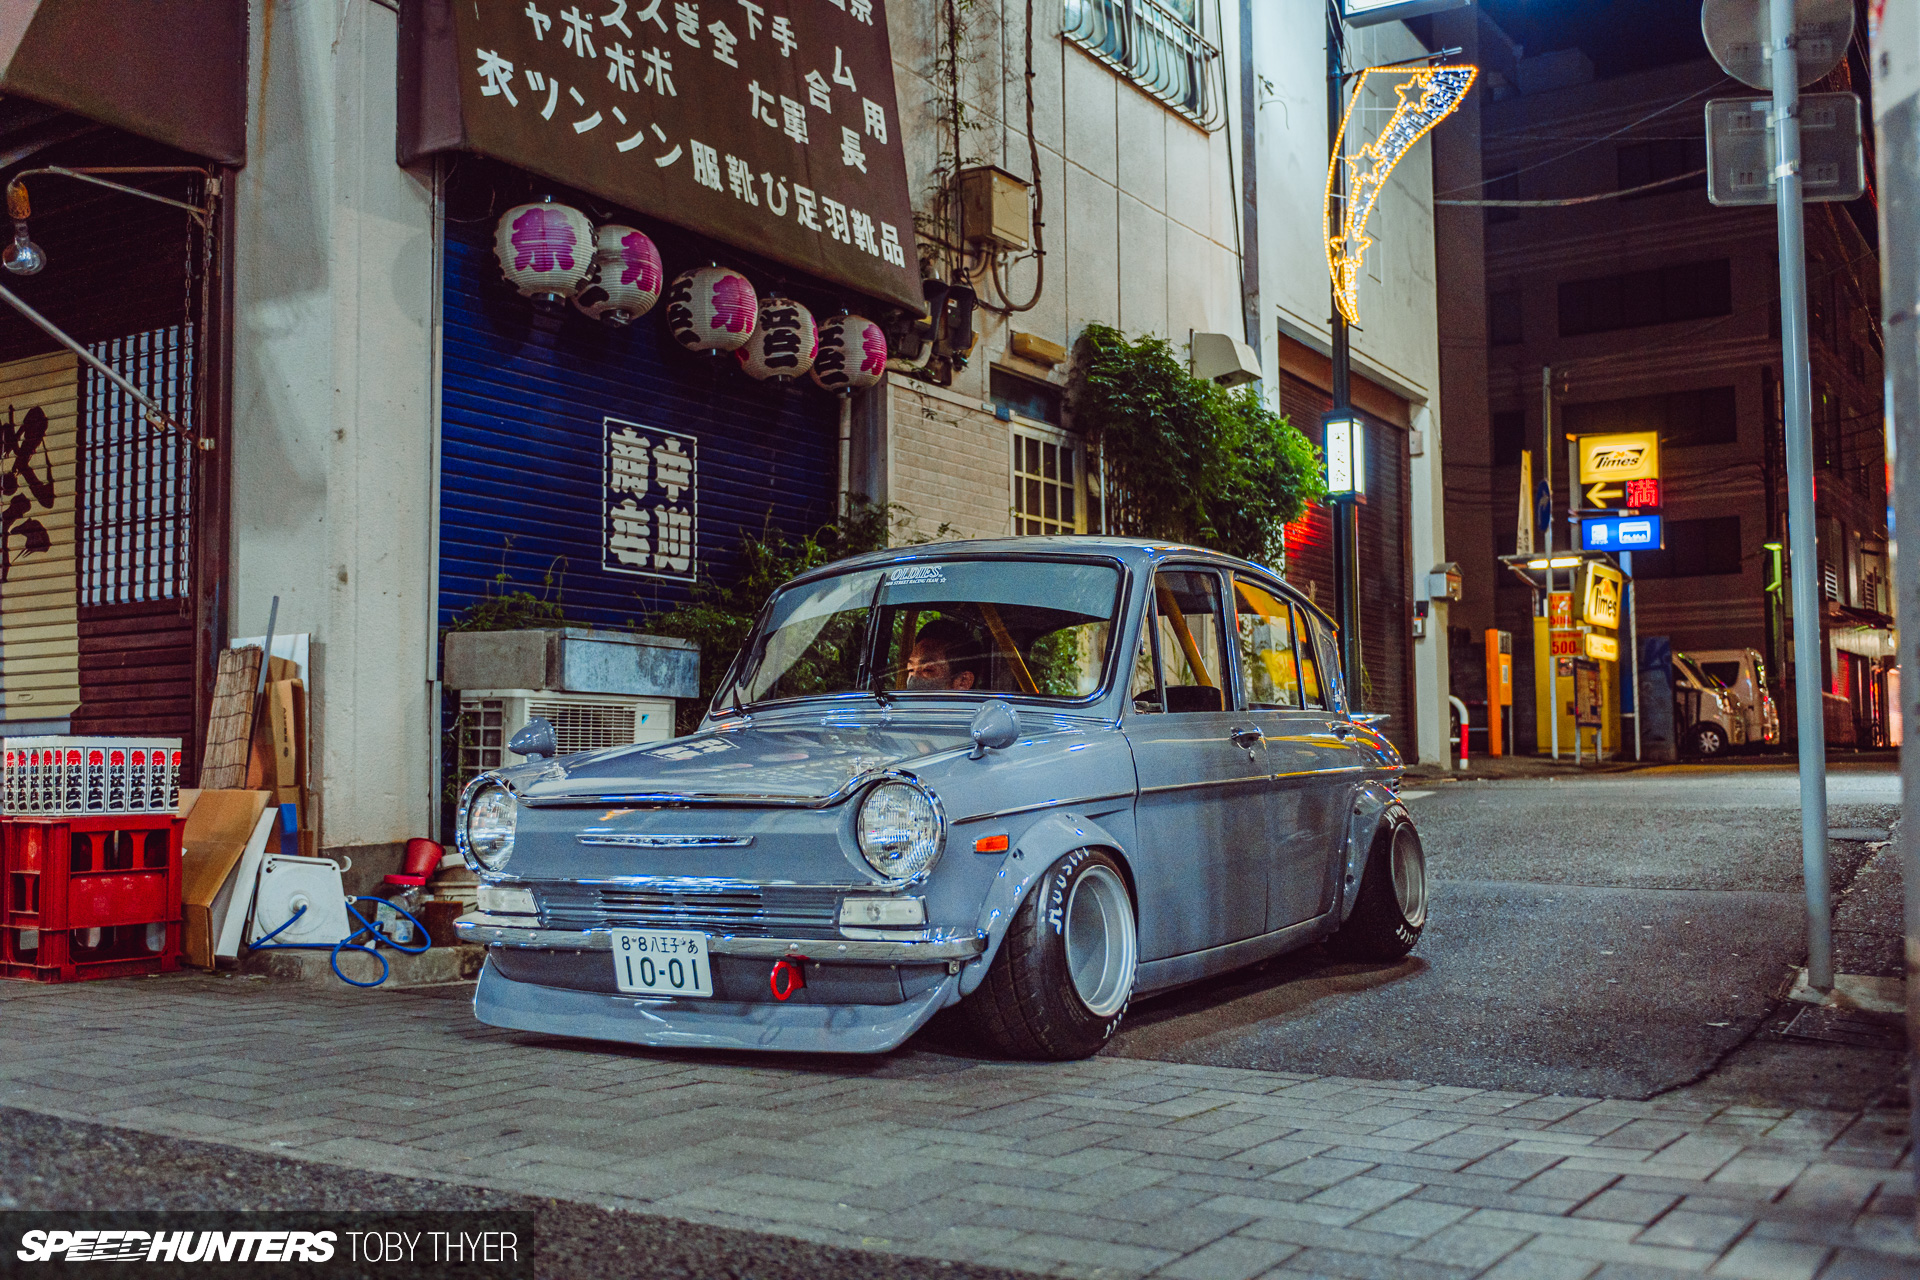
column 1797, row 402
column 1896, row 109
column 1546, row 456
column 1346, row 512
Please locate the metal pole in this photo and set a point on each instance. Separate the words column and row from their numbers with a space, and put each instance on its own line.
column 1797, row 397
column 1546, row 460
column 1633, row 647
column 1898, row 121
column 1346, row 514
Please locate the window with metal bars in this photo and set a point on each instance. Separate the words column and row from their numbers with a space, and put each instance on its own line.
column 1158, row 45
column 1047, row 483
column 136, row 480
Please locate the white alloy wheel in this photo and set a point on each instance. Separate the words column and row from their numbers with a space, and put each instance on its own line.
column 1101, row 945
column 1410, row 877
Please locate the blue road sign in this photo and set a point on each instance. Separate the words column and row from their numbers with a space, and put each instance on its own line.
column 1621, row 533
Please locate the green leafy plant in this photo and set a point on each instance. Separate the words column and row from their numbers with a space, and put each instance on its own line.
column 1189, row 460
column 502, row 608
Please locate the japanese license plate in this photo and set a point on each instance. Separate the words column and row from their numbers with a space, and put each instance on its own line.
column 654, row 963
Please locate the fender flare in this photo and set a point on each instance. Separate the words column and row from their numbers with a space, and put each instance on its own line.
column 1038, row 848
column 1375, row 808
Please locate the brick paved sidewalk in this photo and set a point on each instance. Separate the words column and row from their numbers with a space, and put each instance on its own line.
column 1110, row 1168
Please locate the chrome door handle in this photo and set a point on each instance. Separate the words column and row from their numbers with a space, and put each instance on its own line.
column 1248, row 739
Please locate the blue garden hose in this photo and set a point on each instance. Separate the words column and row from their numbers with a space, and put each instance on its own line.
column 351, row 942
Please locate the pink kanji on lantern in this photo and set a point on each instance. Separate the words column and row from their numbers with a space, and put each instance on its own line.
column 543, row 239
column 734, row 304
column 642, row 263
column 873, row 359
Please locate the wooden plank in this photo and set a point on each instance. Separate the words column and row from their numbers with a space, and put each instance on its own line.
column 230, row 726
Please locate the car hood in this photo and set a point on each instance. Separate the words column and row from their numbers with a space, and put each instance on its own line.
column 810, row 760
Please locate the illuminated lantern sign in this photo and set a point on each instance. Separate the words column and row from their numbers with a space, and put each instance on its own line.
column 545, row 250
column 711, row 309
column 784, row 342
column 853, row 354
column 1345, row 445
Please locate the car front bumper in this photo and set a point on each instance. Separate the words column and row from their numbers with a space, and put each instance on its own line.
column 518, row 932
column 500, row 1001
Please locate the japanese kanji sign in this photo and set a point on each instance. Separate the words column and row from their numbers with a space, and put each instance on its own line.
column 651, row 503
column 39, row 594
column 766, row 124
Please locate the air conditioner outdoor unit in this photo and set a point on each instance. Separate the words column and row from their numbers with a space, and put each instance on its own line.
column 581, row 722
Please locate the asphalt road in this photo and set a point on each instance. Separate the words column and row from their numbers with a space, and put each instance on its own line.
column 1619, row 935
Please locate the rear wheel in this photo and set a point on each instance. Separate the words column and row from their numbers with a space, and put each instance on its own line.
column 1391, row 911
column 1708, row 740
column 1062, row 979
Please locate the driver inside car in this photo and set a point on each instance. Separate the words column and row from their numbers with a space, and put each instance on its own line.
column 940, row 658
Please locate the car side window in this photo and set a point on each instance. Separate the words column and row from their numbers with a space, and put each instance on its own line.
column 1310, row 682
column 1189, row 625
column 1269, row 671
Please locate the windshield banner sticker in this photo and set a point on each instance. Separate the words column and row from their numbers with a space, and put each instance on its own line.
column 651, row 502
column 917, row 575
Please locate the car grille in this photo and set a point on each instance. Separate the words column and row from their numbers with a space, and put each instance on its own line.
column 751, row 911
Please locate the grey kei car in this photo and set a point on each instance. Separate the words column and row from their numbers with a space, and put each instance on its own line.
column 1035, row 777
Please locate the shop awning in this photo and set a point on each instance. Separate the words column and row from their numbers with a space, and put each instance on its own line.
column 770, row 127
column 172, row 71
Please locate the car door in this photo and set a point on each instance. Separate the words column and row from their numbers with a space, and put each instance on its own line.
column 1308, row 748
column 1274, row 657
column 1338, row 761
column 1203, row 775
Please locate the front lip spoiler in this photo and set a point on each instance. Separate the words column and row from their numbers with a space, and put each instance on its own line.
column 487, row 931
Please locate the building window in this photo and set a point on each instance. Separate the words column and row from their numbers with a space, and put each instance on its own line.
column 1695, row 549
column 1509, row 437
column 1638, row 163
column 1157, row 44
column 135, row 482
column 1705, row 415
column 1049, row 477
column 1662, row 295
column 1013, row 394
column 1503, row 318
column 1502, row 186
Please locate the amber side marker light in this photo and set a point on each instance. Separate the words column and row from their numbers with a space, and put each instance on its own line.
column 990, row 844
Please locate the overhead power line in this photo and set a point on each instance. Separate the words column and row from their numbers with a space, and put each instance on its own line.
column 1572, row 200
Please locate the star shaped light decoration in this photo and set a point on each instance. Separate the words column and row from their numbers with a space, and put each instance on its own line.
column 1427, row 95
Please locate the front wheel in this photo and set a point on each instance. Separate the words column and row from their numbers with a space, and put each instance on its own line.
column 1391, row 911
column 1061, row 981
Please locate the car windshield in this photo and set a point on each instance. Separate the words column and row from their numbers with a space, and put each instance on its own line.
column 1692, row 668
column 1032, row 628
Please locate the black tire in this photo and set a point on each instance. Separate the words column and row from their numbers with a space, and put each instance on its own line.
column 1388, row 917
column 1709, row 741
column 1029, row 1005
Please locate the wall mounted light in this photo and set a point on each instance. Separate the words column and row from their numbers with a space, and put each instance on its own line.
column 23, row 257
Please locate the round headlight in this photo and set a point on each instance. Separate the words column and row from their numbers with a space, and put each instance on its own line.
column 900, row 831
column 487, row 826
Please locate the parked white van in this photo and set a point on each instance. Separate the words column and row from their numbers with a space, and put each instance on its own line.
column 1743, row 674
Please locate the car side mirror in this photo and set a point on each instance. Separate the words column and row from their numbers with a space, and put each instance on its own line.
column 536, row 741
column 996, row 725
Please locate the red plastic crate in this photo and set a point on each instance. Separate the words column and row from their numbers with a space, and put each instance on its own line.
column 91, row 897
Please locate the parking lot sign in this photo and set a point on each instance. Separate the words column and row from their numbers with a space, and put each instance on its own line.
column 1621, row 533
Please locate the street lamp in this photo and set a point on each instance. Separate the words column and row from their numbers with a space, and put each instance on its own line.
column 1344, row 441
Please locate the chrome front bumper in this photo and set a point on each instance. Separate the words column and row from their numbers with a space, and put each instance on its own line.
column 496, row 931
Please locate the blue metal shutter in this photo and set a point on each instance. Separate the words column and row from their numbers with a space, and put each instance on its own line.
column 523, row 467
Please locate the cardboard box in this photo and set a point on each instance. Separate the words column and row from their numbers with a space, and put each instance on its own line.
column 220, row 824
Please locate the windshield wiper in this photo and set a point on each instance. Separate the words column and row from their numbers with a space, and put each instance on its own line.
column 876, row 679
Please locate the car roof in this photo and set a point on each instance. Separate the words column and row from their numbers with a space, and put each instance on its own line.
column 1136, row 552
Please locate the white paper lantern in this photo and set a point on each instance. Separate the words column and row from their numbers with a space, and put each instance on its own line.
column 784, row 342
column 711, row 309
column 545, row 250
column 853, row 354
column 626, row 277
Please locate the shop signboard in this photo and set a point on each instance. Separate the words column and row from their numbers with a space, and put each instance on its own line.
column 1612, row 459
column 1602, row 648
column 39, row 592
column 1622, row 533
column 770, row 126
column 1567, row 644
column 652, row 504
column 1601, row 604
column 1560, row 610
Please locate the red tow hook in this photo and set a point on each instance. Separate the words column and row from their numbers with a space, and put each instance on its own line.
column 786, row 977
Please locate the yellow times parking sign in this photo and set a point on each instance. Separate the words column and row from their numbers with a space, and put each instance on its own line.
column 1629, row 455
